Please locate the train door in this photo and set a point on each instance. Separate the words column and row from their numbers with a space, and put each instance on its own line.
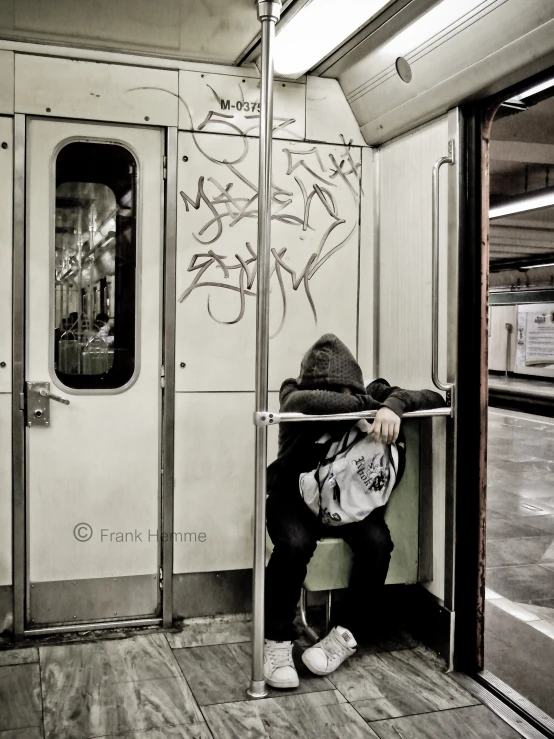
column 93, row 364
column 417, row 278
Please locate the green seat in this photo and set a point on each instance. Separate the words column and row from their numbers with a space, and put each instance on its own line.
column 329, row 569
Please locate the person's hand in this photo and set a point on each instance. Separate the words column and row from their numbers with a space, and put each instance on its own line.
column 386, row 426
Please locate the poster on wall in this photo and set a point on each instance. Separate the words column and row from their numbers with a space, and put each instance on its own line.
column 539, row 339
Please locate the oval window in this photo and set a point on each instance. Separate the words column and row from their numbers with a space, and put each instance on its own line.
column 95, row 266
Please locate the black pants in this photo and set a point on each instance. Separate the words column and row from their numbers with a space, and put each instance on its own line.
column 294, row 531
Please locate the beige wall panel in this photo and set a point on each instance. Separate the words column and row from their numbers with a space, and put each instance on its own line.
column 214, row 479
column 405, row 276
column 216, row 103
column 102, row 92
column 405, row 270
column 6, row 81
column 6, row 206
column 366, row 308
column 499, row 316
column 5, row 489
column 189, row 29
column 215, row 320
column 329, row 118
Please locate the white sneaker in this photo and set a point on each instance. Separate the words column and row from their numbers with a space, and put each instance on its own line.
column 279, row 669
column 330, row 652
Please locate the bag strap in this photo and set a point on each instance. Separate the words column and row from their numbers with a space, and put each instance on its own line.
column 346, row 447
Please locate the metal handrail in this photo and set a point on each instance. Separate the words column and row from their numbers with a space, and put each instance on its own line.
column 262, row 418
column 435, row 234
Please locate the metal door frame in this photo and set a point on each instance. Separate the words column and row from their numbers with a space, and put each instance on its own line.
column 167, row 410
column 470, row 545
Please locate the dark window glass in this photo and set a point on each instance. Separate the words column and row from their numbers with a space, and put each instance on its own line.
column 95, row 266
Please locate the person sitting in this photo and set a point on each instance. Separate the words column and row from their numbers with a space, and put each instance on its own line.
column 330, row 382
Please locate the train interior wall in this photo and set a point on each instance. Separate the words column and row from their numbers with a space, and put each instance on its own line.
column 329, row 252
column 356, row 208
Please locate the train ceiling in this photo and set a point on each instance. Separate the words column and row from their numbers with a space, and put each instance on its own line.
column 218, row 31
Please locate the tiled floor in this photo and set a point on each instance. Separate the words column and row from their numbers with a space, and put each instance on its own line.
column 142, row 688
column 519, row 634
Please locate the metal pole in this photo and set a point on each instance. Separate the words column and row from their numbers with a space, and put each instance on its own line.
column 268, row 14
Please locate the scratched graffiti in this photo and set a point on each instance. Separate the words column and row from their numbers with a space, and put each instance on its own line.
column 314, row 212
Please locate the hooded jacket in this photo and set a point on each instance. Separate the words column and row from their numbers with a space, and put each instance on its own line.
column 327, row 368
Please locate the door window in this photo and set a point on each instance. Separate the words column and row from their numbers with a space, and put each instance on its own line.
column 95, row 266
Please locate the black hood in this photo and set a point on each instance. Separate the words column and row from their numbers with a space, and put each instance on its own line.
column 330, row 363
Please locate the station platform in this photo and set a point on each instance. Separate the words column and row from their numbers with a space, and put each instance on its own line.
column 519, row 612
column 521, row 393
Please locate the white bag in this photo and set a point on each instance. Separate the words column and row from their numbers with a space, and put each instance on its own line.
column 357, row 475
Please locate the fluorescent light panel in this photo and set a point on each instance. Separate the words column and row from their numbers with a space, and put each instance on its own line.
column 431, row 23
column 532, row 201
column 536, row 266
column 532, row 91
column 318, row 28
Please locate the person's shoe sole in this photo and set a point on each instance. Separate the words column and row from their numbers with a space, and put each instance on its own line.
column 285, row 686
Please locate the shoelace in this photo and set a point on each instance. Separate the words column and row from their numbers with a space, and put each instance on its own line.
column 333, row 646
column 280, row 656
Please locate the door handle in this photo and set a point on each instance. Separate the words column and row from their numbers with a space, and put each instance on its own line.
column 57, row 398
column 450, row 159
column 38, row 403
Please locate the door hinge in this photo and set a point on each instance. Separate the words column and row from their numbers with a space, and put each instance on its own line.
column 161, row 580
column 162, row 376
column 165, row 168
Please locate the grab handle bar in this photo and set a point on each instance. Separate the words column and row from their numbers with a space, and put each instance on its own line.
column 268, row 418
column 450, row 159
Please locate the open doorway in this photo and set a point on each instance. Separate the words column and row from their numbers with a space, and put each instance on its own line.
column 519, row 613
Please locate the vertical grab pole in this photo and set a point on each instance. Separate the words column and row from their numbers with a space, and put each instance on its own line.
column 269, row 12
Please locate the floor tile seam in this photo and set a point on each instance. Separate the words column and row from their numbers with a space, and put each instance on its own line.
column 520, row 418
column 511, row 538
column 247, row 677
column 379, row 655
column 422, row 713
column 277, row 698
column 214, row 644
column 173, row 657
column 181, row 670
column 22, row 728
column 504, row 567
column 207, row 722
column 41, row 689
column 138, row 731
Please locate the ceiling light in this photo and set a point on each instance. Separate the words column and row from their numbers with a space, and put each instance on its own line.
column 530, row 201
column 317, row 29
column 532, row 91
column 440, row 17
column 536, row 266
